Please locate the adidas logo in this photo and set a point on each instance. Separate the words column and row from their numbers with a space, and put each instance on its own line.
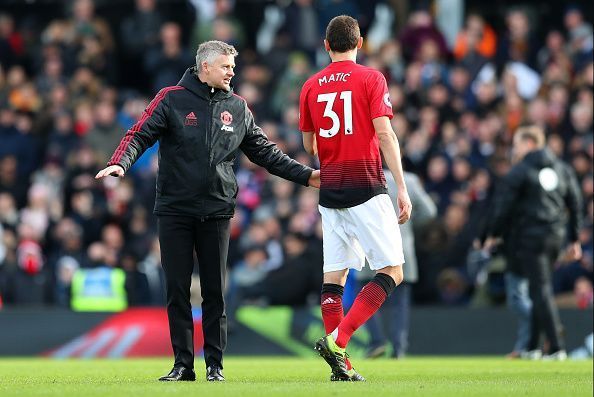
column 328, row 301
column 191, row 119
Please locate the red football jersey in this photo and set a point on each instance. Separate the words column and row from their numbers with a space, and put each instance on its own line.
column 338, row 104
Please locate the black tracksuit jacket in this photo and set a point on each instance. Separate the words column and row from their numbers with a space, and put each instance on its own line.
column 199, row 131
column 539, row 198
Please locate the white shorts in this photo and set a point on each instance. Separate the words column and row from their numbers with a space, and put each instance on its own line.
column 369, row 230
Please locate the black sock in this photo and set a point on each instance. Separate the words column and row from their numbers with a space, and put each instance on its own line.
column 386, row 282
column 335, row 289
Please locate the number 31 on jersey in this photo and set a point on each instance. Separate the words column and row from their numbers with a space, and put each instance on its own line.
column 329, row 98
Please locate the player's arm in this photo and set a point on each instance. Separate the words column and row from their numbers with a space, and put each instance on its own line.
column 309, row 142
column 391, row 151
column 306, row 123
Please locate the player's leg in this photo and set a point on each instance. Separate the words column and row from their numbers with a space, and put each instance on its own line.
column 333, row 313
column 340, row 254
column 376, row 327
column 375, row 225
column 333, row 347
column 331, row 299
column 368, row 301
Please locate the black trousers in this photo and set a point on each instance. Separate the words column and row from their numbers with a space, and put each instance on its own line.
column 537, row 256
column 179, row 236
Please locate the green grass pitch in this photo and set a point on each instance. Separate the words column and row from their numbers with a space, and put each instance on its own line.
column 262, row 377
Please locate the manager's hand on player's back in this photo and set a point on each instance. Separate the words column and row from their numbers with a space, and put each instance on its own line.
column 314, row 179
column 113, row 170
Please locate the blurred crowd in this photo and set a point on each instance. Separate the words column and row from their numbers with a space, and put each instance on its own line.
column 68, row 94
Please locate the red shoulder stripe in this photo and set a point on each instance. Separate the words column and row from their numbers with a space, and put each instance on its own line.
column 240, row 97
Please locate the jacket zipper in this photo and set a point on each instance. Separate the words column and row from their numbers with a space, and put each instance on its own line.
column 209, row 133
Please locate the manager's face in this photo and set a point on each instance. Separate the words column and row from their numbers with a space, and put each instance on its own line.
column 219, row 73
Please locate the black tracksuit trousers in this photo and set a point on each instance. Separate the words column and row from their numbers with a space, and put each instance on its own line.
column 179, row 236
column 537, row 256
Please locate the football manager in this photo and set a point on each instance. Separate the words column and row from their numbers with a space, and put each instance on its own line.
column 200, row 123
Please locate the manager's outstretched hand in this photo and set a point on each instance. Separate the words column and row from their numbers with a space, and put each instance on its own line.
column 113, row 170
column 314, row 179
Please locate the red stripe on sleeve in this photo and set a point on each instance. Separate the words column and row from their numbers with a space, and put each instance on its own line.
column 148, row 112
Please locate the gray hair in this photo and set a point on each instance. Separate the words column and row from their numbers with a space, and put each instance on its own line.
column 209, row 50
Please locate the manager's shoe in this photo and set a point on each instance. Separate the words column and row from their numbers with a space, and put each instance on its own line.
column 179, row 374
column 214, row 374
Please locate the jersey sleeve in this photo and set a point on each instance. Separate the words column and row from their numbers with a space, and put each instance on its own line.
column 305, row 122
column 379, row 97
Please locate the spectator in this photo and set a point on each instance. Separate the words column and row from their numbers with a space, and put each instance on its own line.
column 554, row 51
column 151, row 267
column 62, row 141
column 66, row 267
column 581, row 39
column 8, row 209
column 297, row 274
column 11, row 42
column 167, row 63
column 304, row 28
column 36, row 213
column 137, row 286
column 68, row 256
column 439, row 182
column 106, row 133
column 519, row 43
column 30, row 283
column 420, row 30
column 476, row 38
column 84, row 87
column 139, row 33
column 215, row 20
column 84, row 23
column 247, row 273
column 289, row 84
column 103, row 286
column 52, row 75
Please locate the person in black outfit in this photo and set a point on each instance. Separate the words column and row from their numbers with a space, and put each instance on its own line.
column 200, row 123
column 538, row 208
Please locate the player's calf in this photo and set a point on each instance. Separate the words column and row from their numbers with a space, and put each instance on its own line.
column 395, row 272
